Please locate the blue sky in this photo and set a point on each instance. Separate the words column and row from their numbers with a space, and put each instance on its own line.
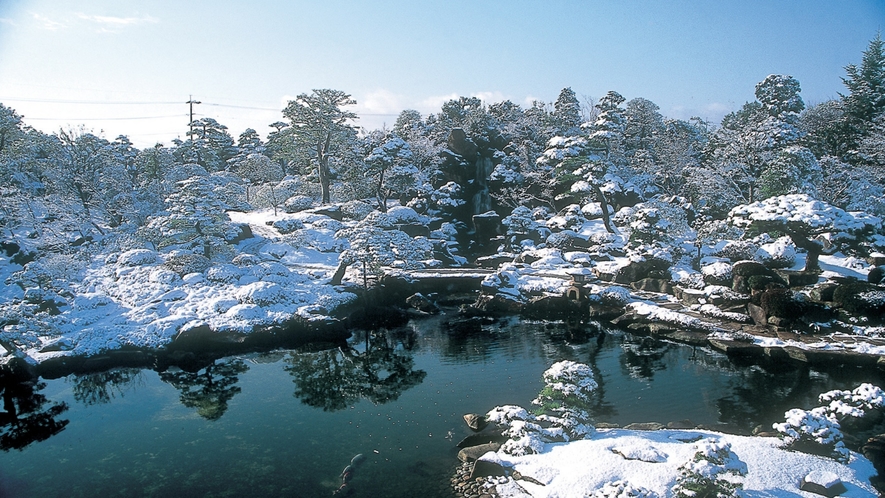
column 244, row 60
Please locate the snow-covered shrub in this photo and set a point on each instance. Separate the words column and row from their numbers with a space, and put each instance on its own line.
column 288, row 225
column 446, row 231
column 812, row 429
column 319, row 239
column 622, row 489
column 566, row 239
column 736, row 250
column 569, row 218
column 856, row 403
column 778, row 254
column 164, row 276
column 717, row 272
column 568, row 386
column 261, row 294
column 520, row 221
column 656, row 222
column 405, row 215
column 224, row 274
column 185, row 263
column 137, row 257
column 328, row 224
column 713, row 472
column 446, row 197
column 355, row 210
column 297, row 203
column 246, row 259
column 610, row 295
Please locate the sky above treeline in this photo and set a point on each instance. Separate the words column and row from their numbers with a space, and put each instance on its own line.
column 128, row 67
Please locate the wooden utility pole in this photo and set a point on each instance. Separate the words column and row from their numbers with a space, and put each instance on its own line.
column 192, row 102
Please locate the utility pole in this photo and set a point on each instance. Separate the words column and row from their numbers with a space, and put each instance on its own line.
column 192, row 102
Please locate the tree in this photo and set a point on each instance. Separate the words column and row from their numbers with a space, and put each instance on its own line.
column 802, row 218
column 195, row 218
column 865, row 100
column 390, row 166
column 567, row 112
column 320, row 126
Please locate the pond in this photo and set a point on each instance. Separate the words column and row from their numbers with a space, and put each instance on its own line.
column 286, row 423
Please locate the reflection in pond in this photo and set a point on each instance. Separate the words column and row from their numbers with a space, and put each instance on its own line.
column 644, row 356
column 208, row 389
column 28, row 416
column 101, row 387
column 334, row 379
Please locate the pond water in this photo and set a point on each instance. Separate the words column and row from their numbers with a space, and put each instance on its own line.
column 286, row 423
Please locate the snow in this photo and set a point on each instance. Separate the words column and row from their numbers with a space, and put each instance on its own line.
column 578, row 468
column 132, row 299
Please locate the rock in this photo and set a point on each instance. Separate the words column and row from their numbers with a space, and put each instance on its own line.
column 750, row 268
column 478, row 439
column 499, row 303
column 460, row 144
column 644, row 426
column 799, row 278
column 414, row 229
column 421, row 303
column 877, row 259
column 823, row 292
column 476, row 422
column 487, row 225
column 482, row 468
column 874, row 450
column 823, row 483
column 333, row 212
column 473, row 453
column 658, row 285
column 781, row 303
column 757, row 314
column 861, row 298
column 637, row 270
column 693, row 296
column 681, row 424
column 876, row 275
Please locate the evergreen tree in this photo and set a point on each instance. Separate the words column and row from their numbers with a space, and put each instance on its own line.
column 321, row 127
column 567, row 113
column 865, row 100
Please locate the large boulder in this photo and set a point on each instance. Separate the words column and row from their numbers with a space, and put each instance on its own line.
column 638, row 270
column 861, row 298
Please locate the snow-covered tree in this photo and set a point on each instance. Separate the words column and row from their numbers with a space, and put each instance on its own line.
column 567, row 113
column 803, row 218
column 195, row 219
column 321, row 127
column 391, row 168
column 865, row 100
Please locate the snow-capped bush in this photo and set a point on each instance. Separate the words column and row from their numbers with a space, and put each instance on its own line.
column 356, row 210
column 569, row 218
column 717, row 272
column 164, row 276
column 288, row 225
column 185, row 263
column 736, row 250
column 297, row 203
column 137, row 257
column 224, row 274
column 405, row 215
column 778, row 254
column 813, row 426
column 320, row 239
column 610, row 295
column 622, row 489
column 246, row 259
column 565, row 239
column 856, row 403
column 446, row 231
column 713, row 471
column 261, row 294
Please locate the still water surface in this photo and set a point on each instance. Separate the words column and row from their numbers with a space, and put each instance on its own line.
column 286, row 423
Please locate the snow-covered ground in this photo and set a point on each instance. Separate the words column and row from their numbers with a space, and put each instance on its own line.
column 136, row 299
column 649, row 462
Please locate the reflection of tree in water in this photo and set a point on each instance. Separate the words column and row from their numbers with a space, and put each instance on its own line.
column 334, row 379
column 101, row 387
column 208, row 389
column 761, row 397
column 26, row 417
column 643, row 356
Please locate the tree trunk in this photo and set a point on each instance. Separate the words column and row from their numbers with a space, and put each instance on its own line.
column 339, row 273
column 603, row 203
column 813, row 248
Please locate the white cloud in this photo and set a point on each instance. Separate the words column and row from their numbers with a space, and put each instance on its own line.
column 434, row 103
column 47, row 23
column 489, row 97
column 4, row 20
column 113, row 24
column 381, row 102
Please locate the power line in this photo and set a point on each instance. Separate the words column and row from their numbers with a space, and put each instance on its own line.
column 87, row 102
column 26, row 118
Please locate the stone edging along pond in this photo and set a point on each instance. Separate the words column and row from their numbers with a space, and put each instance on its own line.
column 395, row 301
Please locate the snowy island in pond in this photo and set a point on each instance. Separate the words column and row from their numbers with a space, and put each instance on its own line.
column 554, row 451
